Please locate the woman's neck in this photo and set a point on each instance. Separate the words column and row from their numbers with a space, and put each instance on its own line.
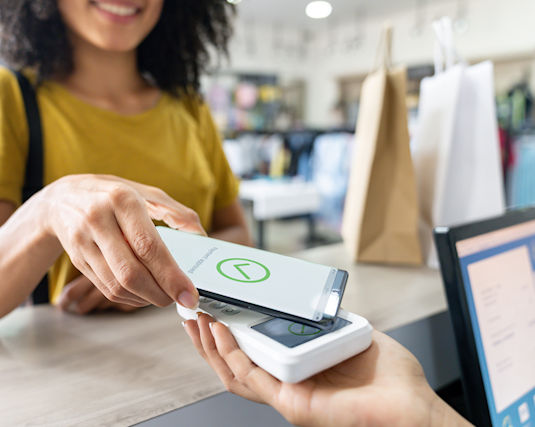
column 109, row 80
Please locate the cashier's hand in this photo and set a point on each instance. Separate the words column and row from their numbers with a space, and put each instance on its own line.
column 82, row 297
column 104, row 223
column 384, row 386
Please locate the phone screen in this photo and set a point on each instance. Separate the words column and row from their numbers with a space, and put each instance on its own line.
column 262, row 278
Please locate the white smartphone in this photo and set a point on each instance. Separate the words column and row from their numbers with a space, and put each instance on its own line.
column 258, row 280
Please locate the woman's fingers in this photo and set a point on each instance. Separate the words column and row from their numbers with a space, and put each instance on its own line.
column 175, row 215
column 108, row 283
column 89, row 302
column 126, row 269
column 163, row 207
column 149, row 248
column 126, row 308
column 95, row 300
column 105, row 227
column 82, row 297
column 73, row 291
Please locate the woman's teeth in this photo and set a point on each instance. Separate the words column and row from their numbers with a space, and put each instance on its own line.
column 116, row 9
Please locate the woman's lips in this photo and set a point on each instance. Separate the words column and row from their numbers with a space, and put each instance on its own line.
column 117, row 11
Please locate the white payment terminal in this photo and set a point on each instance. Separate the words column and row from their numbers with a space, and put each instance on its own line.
column 288, row 350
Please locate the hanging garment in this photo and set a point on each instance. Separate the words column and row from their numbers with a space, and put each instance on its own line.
column 330, row 163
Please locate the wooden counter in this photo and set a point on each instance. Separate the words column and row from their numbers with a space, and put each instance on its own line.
column 107, row 369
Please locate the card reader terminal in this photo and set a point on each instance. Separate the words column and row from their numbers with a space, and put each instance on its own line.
column 288, row 350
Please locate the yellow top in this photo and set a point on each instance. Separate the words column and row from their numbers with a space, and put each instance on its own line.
column 174, row 146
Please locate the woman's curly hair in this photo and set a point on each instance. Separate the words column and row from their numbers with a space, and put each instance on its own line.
column 174, row 54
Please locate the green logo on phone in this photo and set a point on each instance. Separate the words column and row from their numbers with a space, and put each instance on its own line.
column 243, row 270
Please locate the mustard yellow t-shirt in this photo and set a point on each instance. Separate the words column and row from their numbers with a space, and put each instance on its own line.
column 174, row 146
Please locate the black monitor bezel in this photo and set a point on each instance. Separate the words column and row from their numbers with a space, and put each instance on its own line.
column 446, row 239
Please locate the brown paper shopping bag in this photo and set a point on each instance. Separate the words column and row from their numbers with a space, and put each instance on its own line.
column 380, row 221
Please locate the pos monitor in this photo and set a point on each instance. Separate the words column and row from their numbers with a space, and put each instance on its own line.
column 488, row 270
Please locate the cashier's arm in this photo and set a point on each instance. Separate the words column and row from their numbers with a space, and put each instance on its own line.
column 384, row 386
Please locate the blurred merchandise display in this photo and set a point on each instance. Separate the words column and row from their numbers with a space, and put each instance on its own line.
column 514, row 109
column 257, row 102
column 522, row 173
column 279, row 199
column 256, row 154
column 317, row 157
column 517, row 134
column 330, row 162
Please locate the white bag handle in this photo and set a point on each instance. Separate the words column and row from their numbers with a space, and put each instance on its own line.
column 445, row 53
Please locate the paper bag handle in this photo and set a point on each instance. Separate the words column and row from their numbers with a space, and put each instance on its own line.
column 383, row 58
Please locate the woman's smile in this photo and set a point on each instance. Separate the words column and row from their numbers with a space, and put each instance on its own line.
column 117, row 11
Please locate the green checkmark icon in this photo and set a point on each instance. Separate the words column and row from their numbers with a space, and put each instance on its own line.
column 243, row 270
column 237, row 267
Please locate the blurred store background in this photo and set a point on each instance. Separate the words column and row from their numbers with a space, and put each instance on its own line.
column 287, row 101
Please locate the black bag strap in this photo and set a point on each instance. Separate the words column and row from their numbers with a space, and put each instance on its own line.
column 33, row 179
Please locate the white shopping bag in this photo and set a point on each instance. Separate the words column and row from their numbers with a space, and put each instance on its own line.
column 456, row 145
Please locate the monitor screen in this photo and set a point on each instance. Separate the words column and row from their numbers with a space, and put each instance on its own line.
column 498, row 271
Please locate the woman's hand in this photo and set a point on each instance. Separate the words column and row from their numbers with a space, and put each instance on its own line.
column 104, row 224
column 384, row 386
column 82, row 297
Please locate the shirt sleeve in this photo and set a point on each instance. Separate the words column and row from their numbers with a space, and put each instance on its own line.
column 227, row 185
column 13, row 138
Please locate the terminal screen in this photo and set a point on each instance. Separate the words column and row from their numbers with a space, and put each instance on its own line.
column 498, row 271
column 292, row 334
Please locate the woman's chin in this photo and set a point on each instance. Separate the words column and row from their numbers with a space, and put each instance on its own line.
column 114, row 44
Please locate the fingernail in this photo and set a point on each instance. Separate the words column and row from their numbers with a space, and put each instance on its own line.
column 183, row 323
column 211, row 325
column 187, row 299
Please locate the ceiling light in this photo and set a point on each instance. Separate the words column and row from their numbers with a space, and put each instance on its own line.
column 318, row 9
